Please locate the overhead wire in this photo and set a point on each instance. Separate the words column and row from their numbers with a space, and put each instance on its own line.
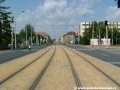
column 47, row 14
column 72, row 12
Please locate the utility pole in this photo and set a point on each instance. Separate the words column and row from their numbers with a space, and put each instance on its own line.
column 31, row 35
column 116, row 39
column 112, row 36
column 93, row 33
column 0, row 31
column 12, row 39
column 78, row 34
column 15, row 35
column 106, row 34
column 40, row 40
column 99, row 37
column 15, row 28
column 26, row 35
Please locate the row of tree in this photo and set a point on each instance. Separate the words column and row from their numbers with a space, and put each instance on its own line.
column 5, row 27
column 100, row 26
column 6, row 30
column 28, row 29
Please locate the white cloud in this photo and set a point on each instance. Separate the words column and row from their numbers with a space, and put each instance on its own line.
column 24, row 16
column 51, row 5
column 59, row 14
column 113, row 14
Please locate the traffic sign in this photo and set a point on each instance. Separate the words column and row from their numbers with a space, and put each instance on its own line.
column 78, row 39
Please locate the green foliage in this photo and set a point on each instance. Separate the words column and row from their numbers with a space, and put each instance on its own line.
column 5, row 28
column 87, row 35
column 116, row 36
column 22, row 35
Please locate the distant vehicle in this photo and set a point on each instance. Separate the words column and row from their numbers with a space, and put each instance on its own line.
column 9, row 45
column 29, row 47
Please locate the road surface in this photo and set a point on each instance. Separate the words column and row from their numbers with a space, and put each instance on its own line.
column 111, row 56
column 58, row 68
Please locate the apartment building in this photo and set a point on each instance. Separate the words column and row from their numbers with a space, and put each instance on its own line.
column 84, row 25
column 114, row 25
column 67, row 38
column 39, row 40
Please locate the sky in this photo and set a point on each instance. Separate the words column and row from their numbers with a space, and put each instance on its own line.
column 57, row 17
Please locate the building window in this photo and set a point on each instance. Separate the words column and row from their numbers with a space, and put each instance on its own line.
column 118, row 28
column 118, row 24
column 109, row 25
column 85, row 24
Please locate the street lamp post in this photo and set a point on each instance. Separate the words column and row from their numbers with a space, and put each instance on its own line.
column 112, row 36
column 26, row 35
column 15, row 34
column 93, row 32
column 40, row 39
column 12, row 39
column 78, row 34
column 15, row 31
column 99, row 36
column 31, row 35
column 106, row 33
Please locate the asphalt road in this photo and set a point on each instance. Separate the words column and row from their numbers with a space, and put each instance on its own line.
column 8, row 55
column 111, row 56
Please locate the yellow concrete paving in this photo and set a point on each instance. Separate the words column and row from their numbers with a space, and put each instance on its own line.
column 22, row 80
column 58, row 76
column 92, row 77
column 10, row 67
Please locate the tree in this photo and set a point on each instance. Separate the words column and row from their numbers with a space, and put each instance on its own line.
column 102, row 29
column 22, row 35
column 116, row 37
column 87, row 35
column 5, row 27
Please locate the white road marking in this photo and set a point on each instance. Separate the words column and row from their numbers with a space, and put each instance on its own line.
column 114, row 62
column 84, row 49
column 104, row 55
column 90, row 50
column 31, row 50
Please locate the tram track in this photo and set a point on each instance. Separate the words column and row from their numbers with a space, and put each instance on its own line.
column 16, row 72
column 58, row 75
column 74, row 73
column 58, row 68
column 97, row 68
column 38, row 78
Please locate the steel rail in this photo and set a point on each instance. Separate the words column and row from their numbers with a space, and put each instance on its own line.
column 105, row 74
column 13, row 74
column 75, row 75
column 37, row 80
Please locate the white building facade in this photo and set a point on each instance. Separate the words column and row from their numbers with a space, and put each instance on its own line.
column 84, row 25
